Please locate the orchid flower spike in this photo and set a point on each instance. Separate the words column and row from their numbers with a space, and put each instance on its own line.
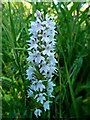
column 41, row 62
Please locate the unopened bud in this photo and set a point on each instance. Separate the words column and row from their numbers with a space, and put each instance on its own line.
column 38, row 13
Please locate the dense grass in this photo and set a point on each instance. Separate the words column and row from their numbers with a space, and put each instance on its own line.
column 72, row 91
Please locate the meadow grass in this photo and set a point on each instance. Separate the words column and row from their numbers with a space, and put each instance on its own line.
column 72, row 96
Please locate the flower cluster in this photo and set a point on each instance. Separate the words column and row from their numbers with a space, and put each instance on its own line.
column 42, row 61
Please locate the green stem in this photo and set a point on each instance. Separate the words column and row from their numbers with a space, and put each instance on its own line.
column 70, row 87
column 48, row 112
column 60, row 114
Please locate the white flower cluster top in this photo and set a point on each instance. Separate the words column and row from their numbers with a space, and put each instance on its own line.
column 42, row 61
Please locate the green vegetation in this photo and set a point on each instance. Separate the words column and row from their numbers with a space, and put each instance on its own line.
column 72, row 91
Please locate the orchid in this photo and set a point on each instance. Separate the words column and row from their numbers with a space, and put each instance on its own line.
column 50, row 84
column 31, row 57
column 30, row 93
column 37, row 112
column 38, row 85
column 50, row 88
column 42, row 58
column 52, row 59
column 39, row 58
column 46, row 105
column 40, row 97
column 29, row 72
column 47, row 50
column 44, row 68
column 33, row 44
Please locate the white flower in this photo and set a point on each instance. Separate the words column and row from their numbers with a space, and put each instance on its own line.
column 33, row 44
column 33, row 25
column 51, row 84
column 31, row 57
column 52, row 69
column 39, row 58
column 37, row 112
column 38, row 27
column 49, row 91
column 30, row 93
column 38, row 85
column 48, row 75
column 52, row 59
column 50, row 88
column 29, row 72
column 40, row 97
column 33, row 87
column 50, row 33
column 49, row 22
column 38, row 13
column 45, row 68
column 44, row 36
column 50, row 41
column 47, row 105
column 48, row 49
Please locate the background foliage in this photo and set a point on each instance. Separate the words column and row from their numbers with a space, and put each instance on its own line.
column 72, row 91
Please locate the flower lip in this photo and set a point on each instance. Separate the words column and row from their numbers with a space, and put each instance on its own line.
column 37, row 112
column 39, row 85
column 47, row 105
